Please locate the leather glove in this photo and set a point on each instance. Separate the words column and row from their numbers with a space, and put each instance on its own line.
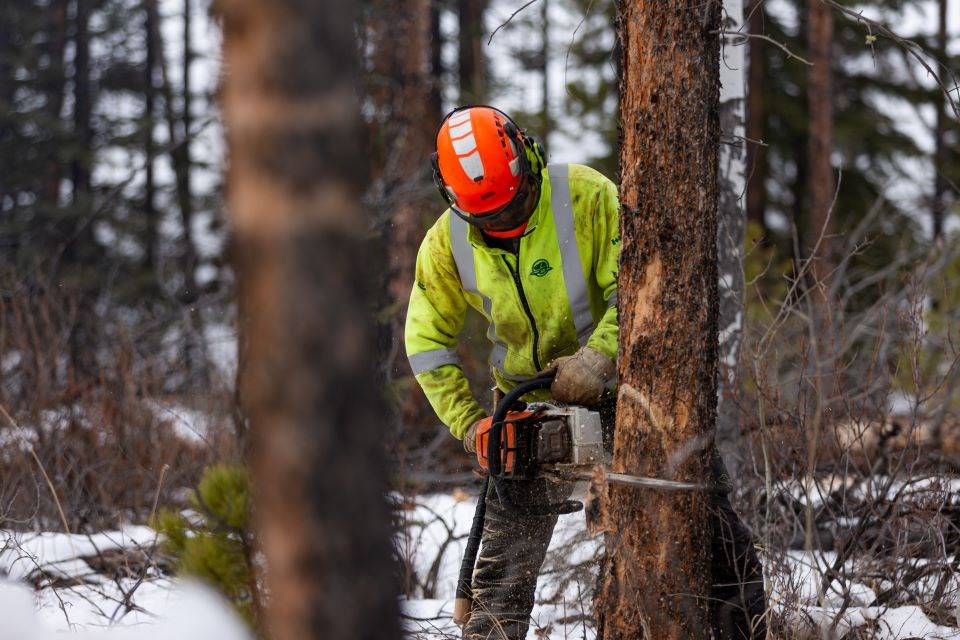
column 470, row 437
column 580, row 378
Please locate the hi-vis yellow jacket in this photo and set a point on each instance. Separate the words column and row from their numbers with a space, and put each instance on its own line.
column 557, row 293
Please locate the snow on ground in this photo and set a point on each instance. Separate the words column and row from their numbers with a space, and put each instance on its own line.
column 72, row 591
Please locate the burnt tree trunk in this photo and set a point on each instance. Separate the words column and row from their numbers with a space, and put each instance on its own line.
column 657, row 577
column 296, row 170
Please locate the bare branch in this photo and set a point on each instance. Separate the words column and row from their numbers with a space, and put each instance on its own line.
column 507, row 21
column 759, row 36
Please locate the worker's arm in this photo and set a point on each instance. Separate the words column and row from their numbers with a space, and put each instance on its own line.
column 606, row 249
column 434, row 320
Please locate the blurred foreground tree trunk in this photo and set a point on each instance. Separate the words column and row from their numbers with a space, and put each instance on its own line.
column 295, row 173
column 656, row 578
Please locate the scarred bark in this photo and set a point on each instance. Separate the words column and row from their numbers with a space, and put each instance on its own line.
column 656, row 577
column 295, row 173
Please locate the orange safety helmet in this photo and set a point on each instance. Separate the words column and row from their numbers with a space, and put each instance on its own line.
column 482, row 170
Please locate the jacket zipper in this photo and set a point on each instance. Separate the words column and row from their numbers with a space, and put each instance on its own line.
column 526, row 307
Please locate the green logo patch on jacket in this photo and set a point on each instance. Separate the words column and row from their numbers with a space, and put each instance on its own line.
column 540, row 268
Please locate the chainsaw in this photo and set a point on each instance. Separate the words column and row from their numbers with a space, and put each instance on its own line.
column 554, row 441
column 544, row 439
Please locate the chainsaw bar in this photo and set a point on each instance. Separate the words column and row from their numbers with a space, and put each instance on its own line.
column 633, row 481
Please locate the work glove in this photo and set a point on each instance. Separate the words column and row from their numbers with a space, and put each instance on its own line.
column 580, row 378
column 470, row 437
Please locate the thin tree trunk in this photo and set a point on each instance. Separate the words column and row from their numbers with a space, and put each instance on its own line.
column 756, row 117
column 151, row 239
column 823, row 374
column 79, row 249
column 821, row 179
column 472, row 61
column 545, row 124
column 436, row 63
column 940, row 186
column 54, row 88
column 657, row 574
column 195, row 356
column 731, row 179
column 316, row 415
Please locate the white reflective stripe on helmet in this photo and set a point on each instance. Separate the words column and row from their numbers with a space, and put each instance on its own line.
column 573, row 278
column 430, row 360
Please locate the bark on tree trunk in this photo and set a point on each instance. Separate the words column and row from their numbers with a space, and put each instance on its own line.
column 657, row 577
column 404, row 189
column 821, row 184
column 756, row 117
column 821, row 187
column 295, row 173
column 731, row 181
column 940, row 187
column 472, row 61
column 436, row 63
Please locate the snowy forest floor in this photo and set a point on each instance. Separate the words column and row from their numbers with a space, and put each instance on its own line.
column 120, row 579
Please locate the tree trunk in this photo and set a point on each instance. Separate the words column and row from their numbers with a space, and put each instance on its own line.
column 316, row 416
column 437, row 69
column 53, row 84
column 940, row 186
column 823, row 375
column 403, row 191
column 821, row 180
column 472, row 61
column 151, row 239
column 756, row 117
column 731, row 180
column 545, row 124
column 657, row 577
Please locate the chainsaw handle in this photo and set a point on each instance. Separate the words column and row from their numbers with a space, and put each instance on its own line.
column 494, row 440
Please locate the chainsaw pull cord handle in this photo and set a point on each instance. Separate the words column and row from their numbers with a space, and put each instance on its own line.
column 494, row 452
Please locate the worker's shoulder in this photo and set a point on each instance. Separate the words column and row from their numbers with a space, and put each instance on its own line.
column 439, row 231
column 587, row 176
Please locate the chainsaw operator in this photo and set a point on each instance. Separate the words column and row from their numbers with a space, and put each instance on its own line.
column 534, row 248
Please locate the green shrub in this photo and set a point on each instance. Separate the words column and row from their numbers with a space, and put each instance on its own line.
column 212, row 541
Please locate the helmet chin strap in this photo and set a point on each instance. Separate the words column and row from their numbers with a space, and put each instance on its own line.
column 512, row 233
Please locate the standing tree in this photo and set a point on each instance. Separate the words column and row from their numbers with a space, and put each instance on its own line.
column 731, row 222
column 657, row 574
column 296, row 168
column 472, row 61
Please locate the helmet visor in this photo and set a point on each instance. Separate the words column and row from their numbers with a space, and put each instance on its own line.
column 511, row 215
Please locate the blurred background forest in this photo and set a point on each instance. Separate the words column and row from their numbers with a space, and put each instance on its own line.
column 118, row 329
